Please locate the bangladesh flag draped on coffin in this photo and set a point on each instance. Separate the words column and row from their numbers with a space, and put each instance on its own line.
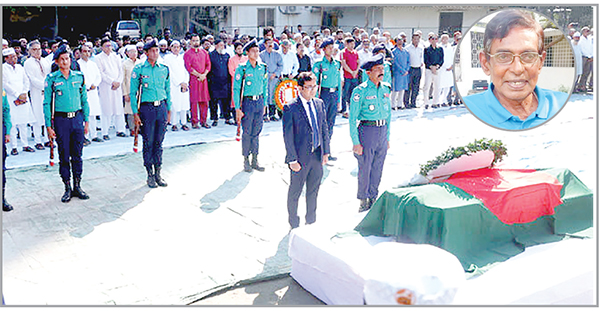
column 485, row 216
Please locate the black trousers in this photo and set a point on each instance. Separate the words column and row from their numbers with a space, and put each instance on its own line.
column 223, row 104
column 414, row 79
column 310, row 174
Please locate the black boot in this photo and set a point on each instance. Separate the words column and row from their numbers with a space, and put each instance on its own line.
column 77, row 191
column 6, row 207
column 247, row 167
column 151, row 181
column 159, row 180
column 364, row 205
column 371, row 201
column 255, row 163
column 68, row 193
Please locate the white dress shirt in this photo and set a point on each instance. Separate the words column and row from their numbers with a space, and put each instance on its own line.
column 415, row 55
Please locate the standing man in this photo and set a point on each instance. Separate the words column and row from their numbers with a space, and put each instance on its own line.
column 16, row 85
column 110, row 92
column 92, row 76
column 445, row 72
column 274, row 63
column 180, row 96
column 434, row 59
column 197, row 63
column 304, row 62
column 400, row 69
column 234, row 62
column 587, row 52
column 329, row 80
column 6, row 126
column 307, row 146
column 37, row 69
column 349, row 62
column 415, row 52
column 66, row 110
column 128, row 63
column 290, row 61
column 250, row 105
column 371, row 107
column 154, row 111
column 218, row 83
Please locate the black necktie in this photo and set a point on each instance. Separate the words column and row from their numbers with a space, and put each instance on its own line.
column 315, row 132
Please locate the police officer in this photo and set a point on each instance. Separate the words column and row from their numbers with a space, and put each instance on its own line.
column 66, row 111
column 6, row 126
column 329, row 79
column 371, row 107
column 250, row 110
column 154, row 109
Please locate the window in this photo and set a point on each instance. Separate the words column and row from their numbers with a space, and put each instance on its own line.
column 128, row 26
column 266, row 17
column 450, row 22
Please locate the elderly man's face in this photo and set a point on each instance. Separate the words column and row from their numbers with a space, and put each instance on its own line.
column 35, row 51
column 86, row 52
column 175, row 48
column 11, row 59
column 106, row 47
column 132, row 54
column 516, row 81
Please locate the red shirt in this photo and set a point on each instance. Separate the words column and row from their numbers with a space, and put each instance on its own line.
column 351, row 59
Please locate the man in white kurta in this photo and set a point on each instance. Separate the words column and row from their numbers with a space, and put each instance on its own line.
column 128, row 63
column 111, row 94
column 36, row 69
column 91, row 74
column 16, row 85
column 180, row 95
column 446, row 77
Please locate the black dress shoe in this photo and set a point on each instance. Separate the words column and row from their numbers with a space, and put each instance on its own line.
column 185, row 127
column 121, row 134
column 6, row 207
column 274, row 118
column 39, row 147
column 14, row 151
column 215, row 123
column 174, row 128
column 98, row 139
column 47, row 144
column 266, row 119
column 230, row 122
column 332, row 158
column 86, row 142
column 206, row 126
column 28, row 149
column 105, row 137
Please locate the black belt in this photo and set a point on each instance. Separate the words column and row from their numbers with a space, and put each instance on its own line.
column 155, row 103
column 329, row 89
column 373, row 122
column 254, row 97
column 415, row 67
column 68, row 115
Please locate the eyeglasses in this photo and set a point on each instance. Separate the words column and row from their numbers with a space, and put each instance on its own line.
column 506, row 58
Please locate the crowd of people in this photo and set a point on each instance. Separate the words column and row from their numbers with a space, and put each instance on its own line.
column 201, row 83
column 582, row 41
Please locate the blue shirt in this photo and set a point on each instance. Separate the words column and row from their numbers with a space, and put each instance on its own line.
column 488, row 109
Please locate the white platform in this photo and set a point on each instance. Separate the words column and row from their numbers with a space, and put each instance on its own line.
column 334, row 268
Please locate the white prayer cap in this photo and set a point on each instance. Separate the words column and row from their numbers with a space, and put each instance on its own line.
column 140, row 44
column 4, row 42
column 8, row 51
column 130, row 47
column 89, row 44
column 576, row 34
column 175, row 42
column 163, row 42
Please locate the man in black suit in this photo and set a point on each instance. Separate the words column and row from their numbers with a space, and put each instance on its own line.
column 306, row 138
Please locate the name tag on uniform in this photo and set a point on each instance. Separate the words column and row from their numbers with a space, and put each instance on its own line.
column 58, row 83
column 76, row 83
column 371, row 97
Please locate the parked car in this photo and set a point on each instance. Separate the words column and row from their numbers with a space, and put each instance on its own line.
column 126, row 27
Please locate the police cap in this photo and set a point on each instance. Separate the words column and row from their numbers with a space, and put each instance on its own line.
column 150, row 44
column 373, row 61
column 327, row 42
column 378, row 48
column 61, row 50
column 250, row 44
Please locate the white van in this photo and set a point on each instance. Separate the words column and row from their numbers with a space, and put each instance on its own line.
column 126, row 27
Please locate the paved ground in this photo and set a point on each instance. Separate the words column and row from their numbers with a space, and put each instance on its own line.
column 216, row 226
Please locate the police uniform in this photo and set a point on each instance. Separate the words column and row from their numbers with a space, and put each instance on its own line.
column 154, row 105
column 371, row 108
column 6, row 126
column 66, row 110
column 255, row 85
column 329, row 77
